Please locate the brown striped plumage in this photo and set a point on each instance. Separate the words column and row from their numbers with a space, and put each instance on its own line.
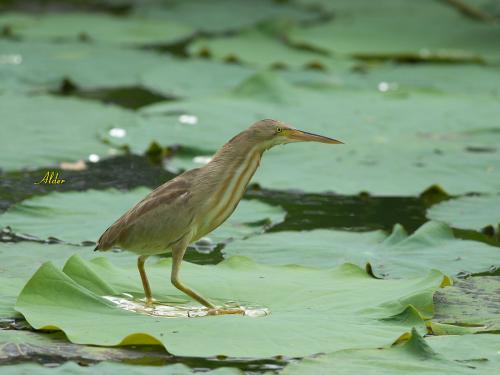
column 196, row 202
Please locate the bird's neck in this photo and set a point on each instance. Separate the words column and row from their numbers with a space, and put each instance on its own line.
column 236, row 162
column 231, row 169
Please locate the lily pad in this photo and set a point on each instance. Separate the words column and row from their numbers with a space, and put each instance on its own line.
column 327, row 309
column 415, row 356
column 83, row 216
column 194, row 77
column 256, row 48
column 42, row 66
column 433, row 245
column 394, row 29
column 479, row 351
column 219, row 16
column 320, row 248
column 44, row 130
column 110, row 368
column 473, row 302
column 475, row 212
column 90, row 66
column 426, row 78
column 19, row 261
column 435, row 146
column 99, row 28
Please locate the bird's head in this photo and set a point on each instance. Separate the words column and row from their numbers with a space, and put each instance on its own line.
column 272, row 132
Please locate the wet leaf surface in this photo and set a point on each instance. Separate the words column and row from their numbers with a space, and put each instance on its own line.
column 474, row 302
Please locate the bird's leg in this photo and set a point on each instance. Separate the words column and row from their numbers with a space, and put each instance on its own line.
column 177, row 255
column 145, row 283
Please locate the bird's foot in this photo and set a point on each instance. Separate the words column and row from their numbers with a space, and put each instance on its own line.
column 226, row 311
column 149, row 302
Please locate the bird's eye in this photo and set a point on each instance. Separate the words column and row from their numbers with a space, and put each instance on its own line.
column 279, row 130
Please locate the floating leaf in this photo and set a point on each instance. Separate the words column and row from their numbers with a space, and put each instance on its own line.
column 432, row 246
column 415, row 356
column 478, row 351
column 220, row 15
column 44, row 130
column 327, row 309
column 426, row 78
column 194, row 77
column 435, row 146
column 256, row 48
column 100, row 28
column 410, row 30
column 42, row 66
column 83, row 216
column 471, row 303
column 21, row 260
column 474, row 212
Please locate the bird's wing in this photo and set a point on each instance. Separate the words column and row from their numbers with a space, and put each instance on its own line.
column 159, row 219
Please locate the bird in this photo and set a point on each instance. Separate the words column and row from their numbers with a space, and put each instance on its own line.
column 194, row 203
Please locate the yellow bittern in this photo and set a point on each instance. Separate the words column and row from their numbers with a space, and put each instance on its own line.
column 193, row 204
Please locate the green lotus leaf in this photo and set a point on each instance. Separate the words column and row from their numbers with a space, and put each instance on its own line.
column 21, row 260
column 83, row 216
column 221, row 16
column 110, row 368
column 44, row 130
column 321, row 248
column 415, row 356
column 435, row 146
column 425, row 78
column 256, row 48
column 194, row 77
column 410, row 30
column 43, row 66
column 475, row 212
column 99, row 28
column 479, row 351
column 470, row 303
column 328, row 310
column 433, row 245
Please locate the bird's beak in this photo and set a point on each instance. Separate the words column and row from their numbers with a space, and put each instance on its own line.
column 300, row 136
